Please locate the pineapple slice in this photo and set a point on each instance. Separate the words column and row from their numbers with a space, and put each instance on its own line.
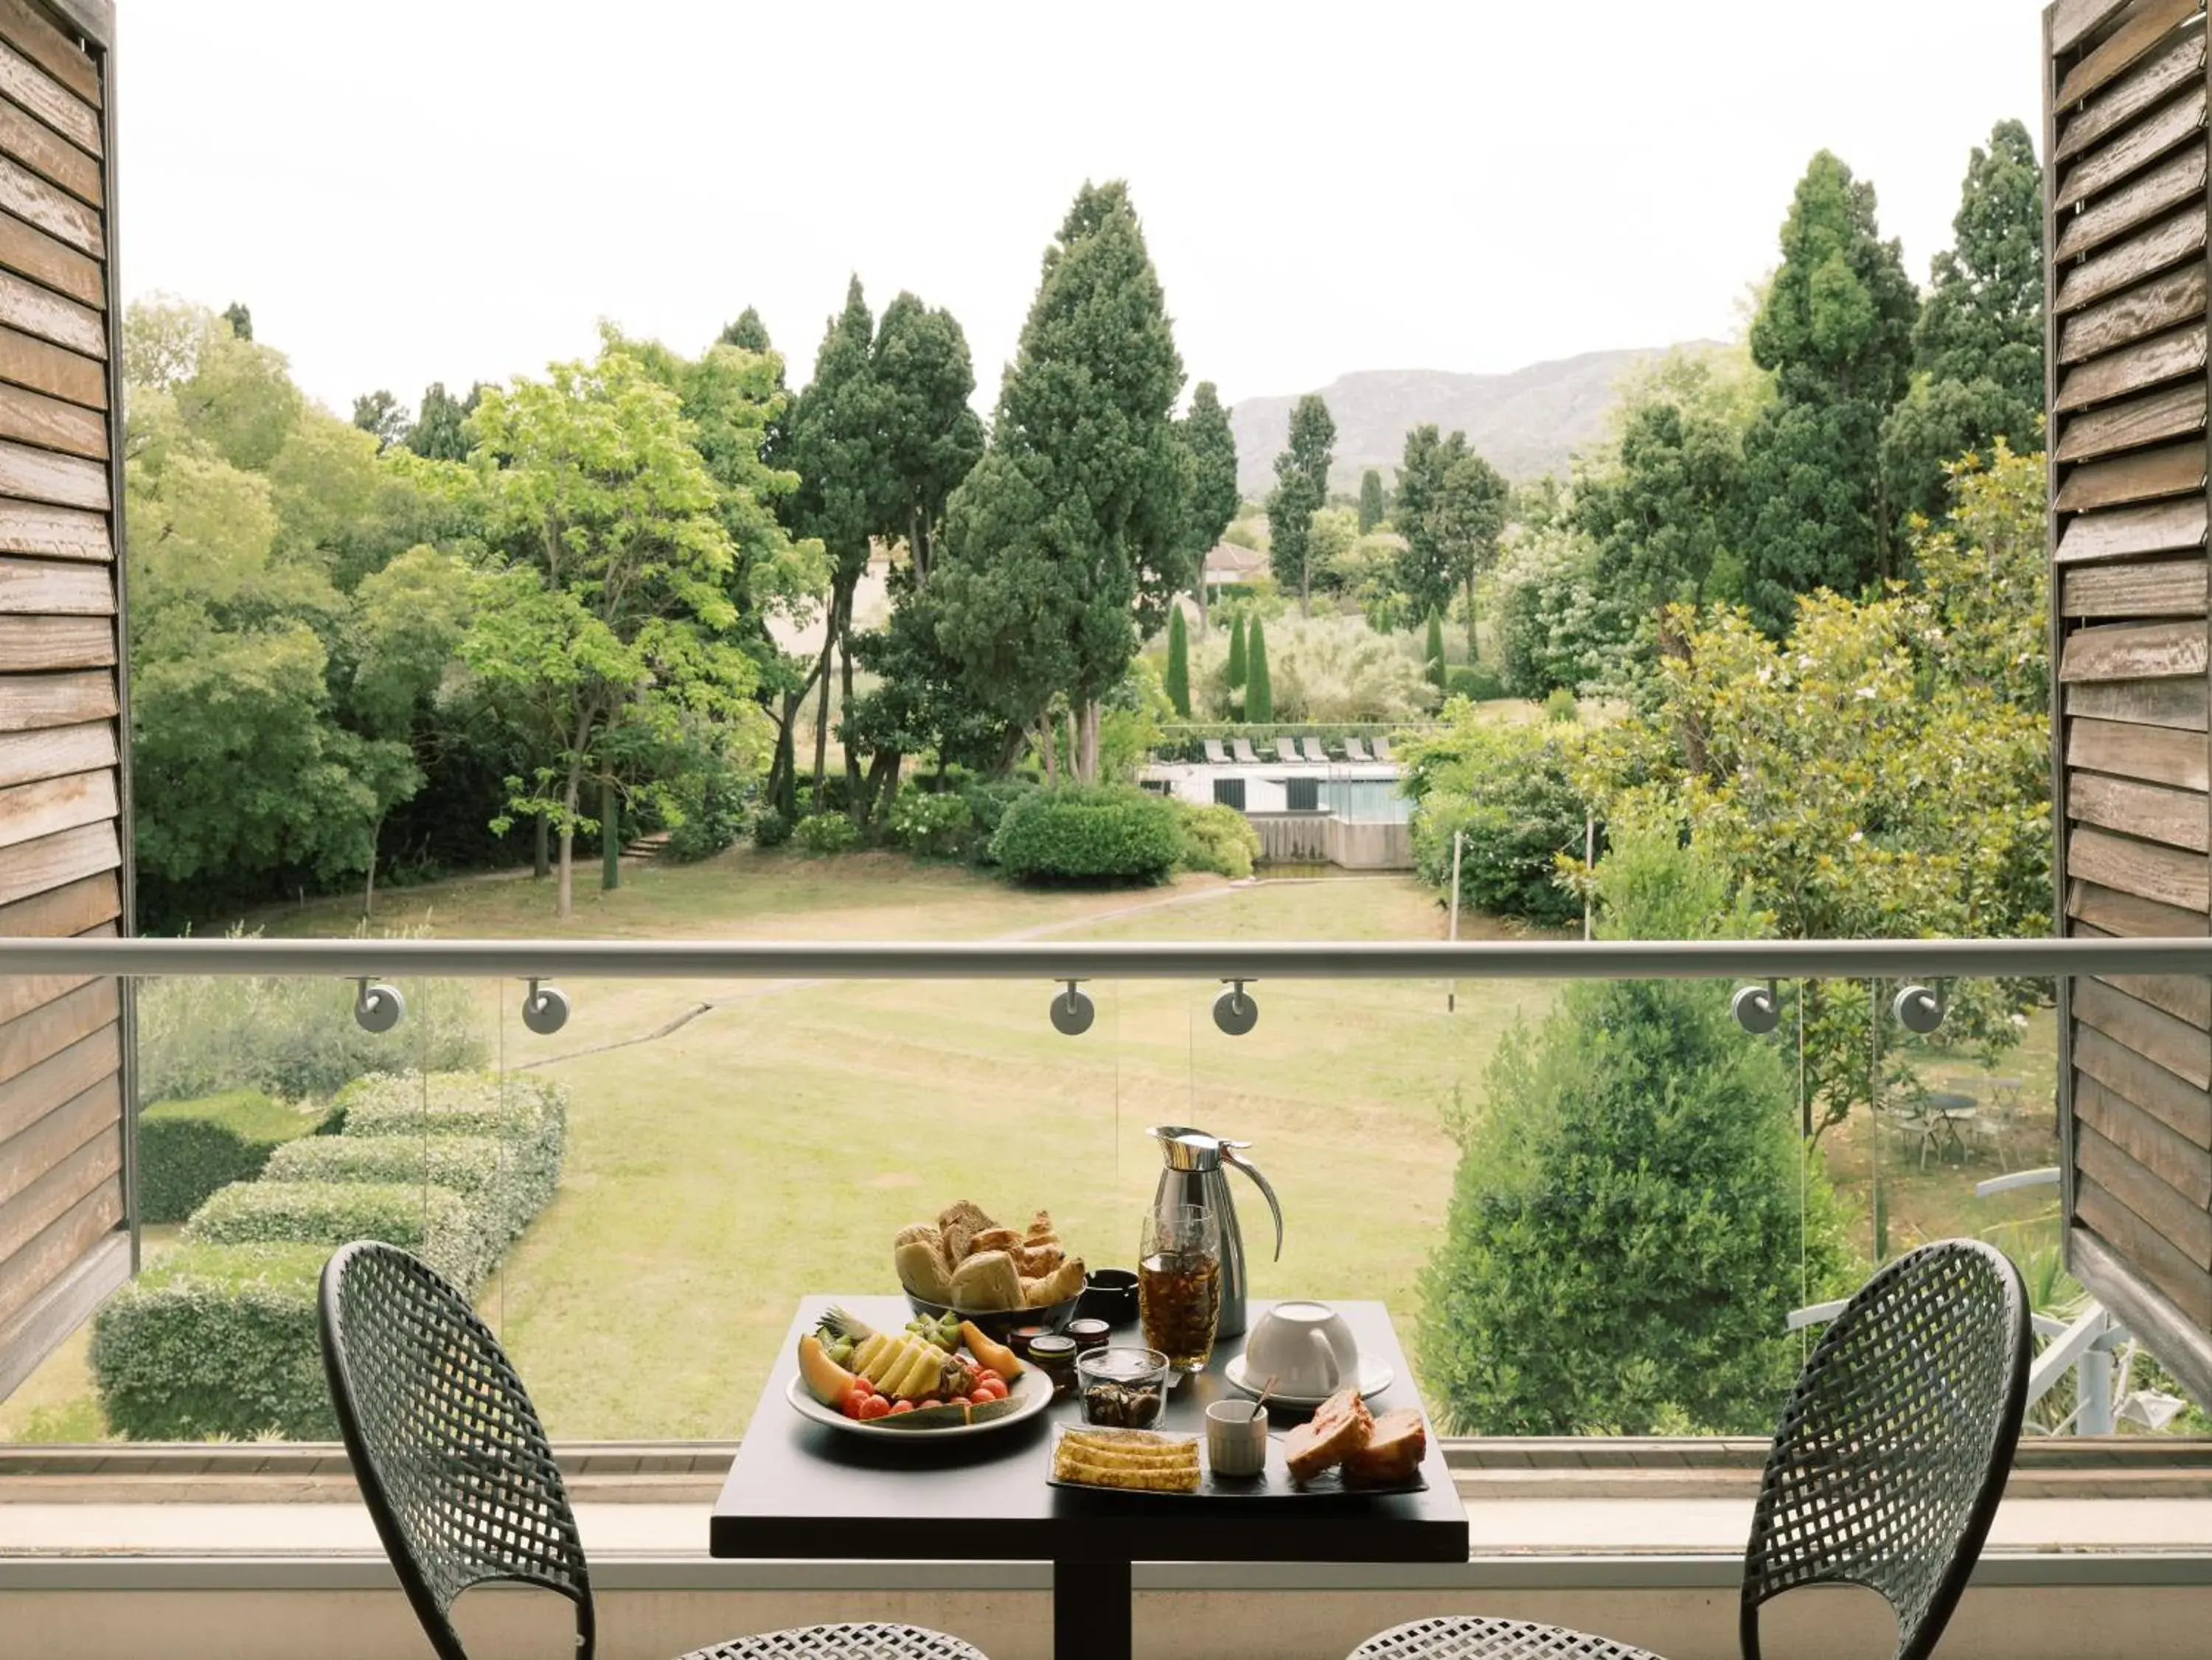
column 870, row 1351
column 919, row 1371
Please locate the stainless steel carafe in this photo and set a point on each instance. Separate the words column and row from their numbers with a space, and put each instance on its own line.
column 1194, row 1176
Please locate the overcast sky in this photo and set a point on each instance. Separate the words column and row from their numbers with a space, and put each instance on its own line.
column 457, row 190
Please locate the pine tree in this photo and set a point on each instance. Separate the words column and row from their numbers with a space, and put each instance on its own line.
column 1301, row 491
column 1836, row 330
column 1432, row 651
column 1978, row 347
column 1259, row 694
column 1370, row 500
column 1236, row 665
column 1177, row 679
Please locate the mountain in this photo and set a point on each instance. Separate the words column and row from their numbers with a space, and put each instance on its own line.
column 1526, row 422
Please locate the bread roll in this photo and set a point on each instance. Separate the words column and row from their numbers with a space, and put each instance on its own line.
column 921, row 1270
column 1396, row 1443
column 1057, row 1286
column 986, row 1283
column 1035, row 1262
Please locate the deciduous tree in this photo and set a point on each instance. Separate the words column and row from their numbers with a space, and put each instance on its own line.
column 1450, row 510
column 441, row 428
column 383, row 416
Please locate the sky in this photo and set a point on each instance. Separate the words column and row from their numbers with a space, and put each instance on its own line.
column 459, row 190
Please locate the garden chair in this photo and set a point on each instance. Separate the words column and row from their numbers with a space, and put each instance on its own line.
column 1356, row 749
column 1286, row 750
column 1383, row 750
column 454, row 1467
column 1215, row 754
column 1315, row 752
column 1885, row 1470
column 1242, row 748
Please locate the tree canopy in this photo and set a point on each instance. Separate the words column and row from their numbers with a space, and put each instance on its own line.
column 1301, row 491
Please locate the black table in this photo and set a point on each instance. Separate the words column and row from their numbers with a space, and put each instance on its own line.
column 799, row 1489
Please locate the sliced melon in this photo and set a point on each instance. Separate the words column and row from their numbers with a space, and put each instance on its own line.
column 826, row 1381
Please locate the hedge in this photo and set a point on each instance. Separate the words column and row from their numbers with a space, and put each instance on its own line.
column 1089, row 834
column 433, row 1222
column 216, row 1341
column 188, row 1149
column 502, row 1193
column 530, row 1114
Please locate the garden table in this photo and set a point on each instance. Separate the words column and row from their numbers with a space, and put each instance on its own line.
column 799, row 1489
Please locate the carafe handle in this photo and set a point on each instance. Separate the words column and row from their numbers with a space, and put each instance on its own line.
column 1231, row 1153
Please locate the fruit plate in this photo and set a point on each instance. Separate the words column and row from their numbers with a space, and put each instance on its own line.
column 1274, row 1482
column 1029, row 1395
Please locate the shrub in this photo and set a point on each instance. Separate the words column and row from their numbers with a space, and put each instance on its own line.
column 530, row 1115
column 770, row 828
column 187, row 1149
column 987, row 805
column 930, row 824
column 433, row 1222
column 216, row 1340
column 818, row 833
column 503, row 1193
column 1089, row 834
column 290, row 1036
column 712, row 798
column 1511, row 789
column 1561, row 706
column 1477, row 684
column 1631, row 1214
column 1218, row 838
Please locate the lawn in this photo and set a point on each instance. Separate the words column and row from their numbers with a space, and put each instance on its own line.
column 735, row 1144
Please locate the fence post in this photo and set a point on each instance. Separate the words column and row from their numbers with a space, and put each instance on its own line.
column 1451, row 987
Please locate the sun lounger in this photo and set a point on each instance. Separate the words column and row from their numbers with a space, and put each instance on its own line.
column 1242, row 748
column 1383, row 749
column 1286, row 750
column 1356, row 749
column 1314, row 751
column 1215, row 752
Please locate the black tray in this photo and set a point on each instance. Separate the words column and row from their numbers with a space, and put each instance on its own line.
column 1274, row 1483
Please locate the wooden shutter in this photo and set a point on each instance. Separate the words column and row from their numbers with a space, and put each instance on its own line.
column 2125, row 176
column 67, row 1228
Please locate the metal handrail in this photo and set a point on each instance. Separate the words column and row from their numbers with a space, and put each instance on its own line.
column 1628, row 960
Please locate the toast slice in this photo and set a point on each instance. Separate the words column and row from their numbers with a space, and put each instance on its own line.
column 1396, row 1444
column 1339, row 1429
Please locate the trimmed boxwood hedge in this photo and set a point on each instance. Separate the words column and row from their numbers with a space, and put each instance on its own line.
column 188, row 1149
column 1109, row 832
column 216, row 1341
column 431, row 1221
column 501, row 1191
column 530, row 1114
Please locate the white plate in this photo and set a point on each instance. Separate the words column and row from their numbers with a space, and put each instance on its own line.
column 1030, row 1393
column 1375, row 1376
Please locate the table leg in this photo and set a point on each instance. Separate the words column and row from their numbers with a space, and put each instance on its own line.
column 1090, row 1610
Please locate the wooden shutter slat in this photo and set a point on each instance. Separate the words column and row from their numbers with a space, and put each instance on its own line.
column 28, row 30
column 48, row 155
column 32, row 867
column 2134, row 149
column 57, row 643
column 2138, row 421
column 28, row 811
column 2157, row 754
column 2185, row 996
column 2143, row 476
column 2177, row 65
column 47, row 99
column 2176, row 297
column 32, row 308
column 74, row 907
column 2132, row 368
column 2124, row 532
column 2137, row 203
column 2174, row 1102
column 2152, row 651
column 2147, row 1193
column 2176, row 818
column 48, row 587
column 2146, row 1250
column 58, row 1248
column 2173, row 1157
column 69, row 1127
column 61, row 215
column 27, row 249
column 2073, row 21
column 45, row 367
column 26, row 757
column 48, row 532
column 2129, row 915
column 2149, row 871
column 2162, row 588
column 35, row 418
column 42, row 476
column 2151, row 22
column 2174, row 1044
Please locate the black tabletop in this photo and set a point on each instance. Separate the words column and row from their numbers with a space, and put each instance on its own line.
column 802, row 1489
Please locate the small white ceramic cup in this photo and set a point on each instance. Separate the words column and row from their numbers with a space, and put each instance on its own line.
column 1237, row 1438
column 1306, row 1348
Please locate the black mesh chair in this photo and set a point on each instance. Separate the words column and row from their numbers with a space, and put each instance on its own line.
column 1885, row 1470
column 455, row 1468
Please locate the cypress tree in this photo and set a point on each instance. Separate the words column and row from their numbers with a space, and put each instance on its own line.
column 1258, row 696
column 1370, row 500
column 1432, row 652
column 1178, row 675
column 1301, row 491
column 1236, row 651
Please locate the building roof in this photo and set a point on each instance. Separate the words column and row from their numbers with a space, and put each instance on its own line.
column 1230, row 563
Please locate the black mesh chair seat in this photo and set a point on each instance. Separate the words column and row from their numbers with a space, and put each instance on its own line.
column 844, row 1643
column 457, row 1473
column 1885, row 1470
column 1467, row 1638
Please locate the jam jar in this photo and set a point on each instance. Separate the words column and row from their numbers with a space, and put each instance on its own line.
column 1055, row 1358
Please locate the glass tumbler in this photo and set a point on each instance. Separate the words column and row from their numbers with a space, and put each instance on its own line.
column 1179, row 1283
